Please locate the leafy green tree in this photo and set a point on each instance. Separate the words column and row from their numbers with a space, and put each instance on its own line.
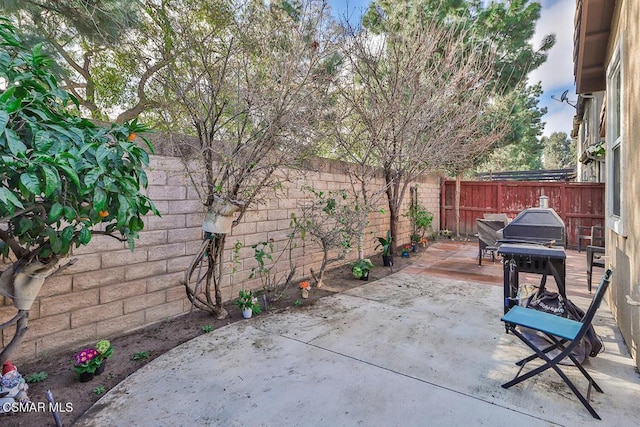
column 521, row 148
column 104, row 50
column 558, row 151
column 60, row 175
column 501, row 27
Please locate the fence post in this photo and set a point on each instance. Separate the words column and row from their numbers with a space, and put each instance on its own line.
column 443, row 198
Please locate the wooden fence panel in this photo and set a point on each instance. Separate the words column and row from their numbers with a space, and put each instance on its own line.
column 577, row 203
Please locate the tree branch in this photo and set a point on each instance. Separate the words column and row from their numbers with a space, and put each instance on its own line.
column 143, row 102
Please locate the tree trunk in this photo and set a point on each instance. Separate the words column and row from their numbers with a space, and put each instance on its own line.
column 393, row 226
column 212, row 251
column 393, row 211
column 457, row 203
column 21, row 320
column 22, row 286
column 325, row 257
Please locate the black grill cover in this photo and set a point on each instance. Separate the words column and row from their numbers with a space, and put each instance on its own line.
column 536, row 225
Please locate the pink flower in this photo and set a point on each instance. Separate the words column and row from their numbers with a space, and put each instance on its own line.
column 85, row 356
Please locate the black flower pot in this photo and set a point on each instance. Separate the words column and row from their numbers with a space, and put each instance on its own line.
column 365, row 275
column 101, row 367
column 387, row 260
column 85, row 377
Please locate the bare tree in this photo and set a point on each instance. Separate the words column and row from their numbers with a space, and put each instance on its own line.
column 330, row 220
column 422, row 97
column 248, row 78
column 353, row 146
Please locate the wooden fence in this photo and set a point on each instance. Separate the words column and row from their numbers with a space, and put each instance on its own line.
column 577, row 203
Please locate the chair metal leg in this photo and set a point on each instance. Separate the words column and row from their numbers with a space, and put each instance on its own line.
column 553, row 364
column 589, row 268
column 534, row 356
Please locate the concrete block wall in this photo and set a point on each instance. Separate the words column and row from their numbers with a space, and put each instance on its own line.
column 111, row 290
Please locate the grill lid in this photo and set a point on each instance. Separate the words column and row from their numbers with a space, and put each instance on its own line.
column 536, row 225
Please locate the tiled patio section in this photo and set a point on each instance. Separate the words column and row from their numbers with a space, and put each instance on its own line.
column 458, row 260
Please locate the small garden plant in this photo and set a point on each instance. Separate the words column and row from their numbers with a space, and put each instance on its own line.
column 247, row 300
column 361, row 267
column 140, row 355
column 421, row 220
column 384, row 243
column 36, row 377
column 274, row 284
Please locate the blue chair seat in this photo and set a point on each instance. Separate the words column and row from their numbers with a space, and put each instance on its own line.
column 543, row 322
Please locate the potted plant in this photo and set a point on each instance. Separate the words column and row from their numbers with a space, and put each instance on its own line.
column 360, row 269
column 248, row 303
column 92, row 361
column 304, row 289
column 415, row 240
column 385, row 245
column 86, row 363
column 105, row 350
column 421, row 220
column 405, row 251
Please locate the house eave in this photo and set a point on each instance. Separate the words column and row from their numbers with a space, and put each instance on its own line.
column 592, row 27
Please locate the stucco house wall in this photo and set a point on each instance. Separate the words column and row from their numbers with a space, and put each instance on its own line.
column 623, row 248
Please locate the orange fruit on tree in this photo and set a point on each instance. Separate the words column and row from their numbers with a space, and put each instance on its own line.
column 132, row 136
column 103, row 214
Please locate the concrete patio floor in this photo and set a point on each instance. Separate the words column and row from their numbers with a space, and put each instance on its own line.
column 424, row 346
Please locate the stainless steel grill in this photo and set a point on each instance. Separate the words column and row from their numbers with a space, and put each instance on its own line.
column 533, row 243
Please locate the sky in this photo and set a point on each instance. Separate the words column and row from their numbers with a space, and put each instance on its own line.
column 556, row 74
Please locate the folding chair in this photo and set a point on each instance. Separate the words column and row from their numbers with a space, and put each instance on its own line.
column 488, row 236
column 565, row 334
